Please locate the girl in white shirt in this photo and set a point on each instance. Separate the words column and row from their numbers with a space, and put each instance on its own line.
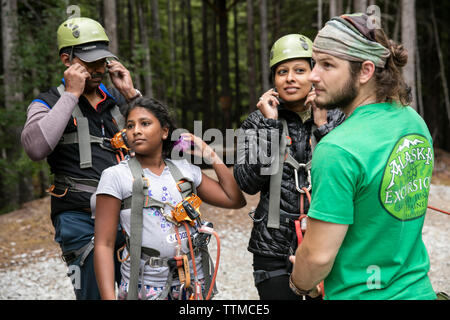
column 148, row 130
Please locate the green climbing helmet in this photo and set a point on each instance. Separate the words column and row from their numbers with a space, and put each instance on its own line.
column 76, row 31
column 290, row 46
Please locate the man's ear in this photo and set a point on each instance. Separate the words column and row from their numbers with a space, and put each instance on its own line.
column 65, row 59
column 367, row 72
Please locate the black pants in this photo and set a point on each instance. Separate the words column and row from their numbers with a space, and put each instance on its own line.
column 275, row 288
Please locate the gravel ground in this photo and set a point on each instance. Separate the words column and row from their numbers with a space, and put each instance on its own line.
column 45, row 278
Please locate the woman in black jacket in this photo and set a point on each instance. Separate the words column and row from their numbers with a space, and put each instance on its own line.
column 274, row 238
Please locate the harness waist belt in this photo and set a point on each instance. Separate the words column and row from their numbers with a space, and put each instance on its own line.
column 75, row 184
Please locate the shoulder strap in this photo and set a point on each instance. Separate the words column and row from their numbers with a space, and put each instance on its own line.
column 273, row 220
column 118, row 117
column 136, row 225
column 83, row 136
column 185, row 185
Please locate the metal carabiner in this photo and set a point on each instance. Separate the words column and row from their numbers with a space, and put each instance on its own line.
column 302, row 165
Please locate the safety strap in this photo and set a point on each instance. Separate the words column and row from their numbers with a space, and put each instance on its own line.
column 273, row 220
column 118, row 117
column 184, row 185
column 263, row 275
column 140, row 192
column 70, row 256
column 75, row 184
column 82, row 136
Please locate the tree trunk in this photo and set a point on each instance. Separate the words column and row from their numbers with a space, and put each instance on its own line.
column 148, row 83
column 184, row 91
column 225, row 95
column 192, row 63
column 419, row 84
column 409, row 42
column 319, row 14
column 237, row 77
column 264, row 47
column 277, row 20
column 441, row 63
column 135, row 65
column 333, row 8
column 156, row 28
column 109, row 12
column 348, row 9
column 398, row 19
column 360, row 6
column 173, row 78
column 250, row 58
column 206, row 89
column 214, row 70
column 13, row 99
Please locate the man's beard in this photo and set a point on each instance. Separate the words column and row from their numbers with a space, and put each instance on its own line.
column 344, row 97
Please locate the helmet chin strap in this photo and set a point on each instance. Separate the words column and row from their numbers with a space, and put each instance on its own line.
column 71, row 54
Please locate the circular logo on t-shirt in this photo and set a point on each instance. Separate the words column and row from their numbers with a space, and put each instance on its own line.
column 407, row 177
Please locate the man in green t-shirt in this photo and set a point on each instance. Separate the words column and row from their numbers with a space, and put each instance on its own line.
column 371, row 176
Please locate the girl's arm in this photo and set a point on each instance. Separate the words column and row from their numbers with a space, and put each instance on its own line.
column 223, row 193
column 106, row 221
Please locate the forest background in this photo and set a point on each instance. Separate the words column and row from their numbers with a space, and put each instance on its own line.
column 207, row 59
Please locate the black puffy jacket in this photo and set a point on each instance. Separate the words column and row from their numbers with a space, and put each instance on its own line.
column 268, row 242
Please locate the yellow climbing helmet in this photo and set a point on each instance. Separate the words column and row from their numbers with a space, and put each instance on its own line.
column 76, row 31
column 290, row 46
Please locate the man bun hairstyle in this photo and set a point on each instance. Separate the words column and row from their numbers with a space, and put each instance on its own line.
column 391, row 85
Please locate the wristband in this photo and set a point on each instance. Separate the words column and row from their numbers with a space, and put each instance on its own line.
column 297, row 291
column 138, row 94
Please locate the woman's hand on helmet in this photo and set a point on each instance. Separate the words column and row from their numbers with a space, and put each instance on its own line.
column 268, row 104
column 75, row 78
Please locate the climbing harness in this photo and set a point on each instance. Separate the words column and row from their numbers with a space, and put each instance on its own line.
column 82, row 136
column 185, row 214
column 69, row 257
column 275, row 180
column 117, row 144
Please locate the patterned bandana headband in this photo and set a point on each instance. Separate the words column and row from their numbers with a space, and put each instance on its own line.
column 348, row 37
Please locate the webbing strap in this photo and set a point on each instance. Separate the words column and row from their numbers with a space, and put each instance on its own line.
column 118, row 117
column 83, row 136
column 136, row 225
column 273, row 220
column 84, row 143
column 151, row 203
column 70, row 138
column 187, row 187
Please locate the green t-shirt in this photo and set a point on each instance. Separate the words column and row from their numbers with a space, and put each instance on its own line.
column 373, row 172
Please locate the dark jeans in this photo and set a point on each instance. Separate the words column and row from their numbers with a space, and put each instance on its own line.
column 73, row 230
